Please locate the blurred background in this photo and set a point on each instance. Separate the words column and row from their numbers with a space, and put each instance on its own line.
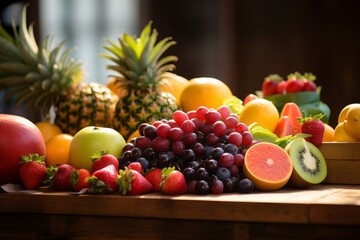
column 239, row 42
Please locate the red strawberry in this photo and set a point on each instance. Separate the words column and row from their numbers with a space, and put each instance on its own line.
column 59, row 177
column 270, row 84
column 131, row 182
column 281, row 89
column 79, row 179
column 309, row 86
column 314, row 126
column 294, row 85
column 103, row 159
column 174, row 182
column 103, row 180
column 154, row 176
column 135, row 166
column 32, row 171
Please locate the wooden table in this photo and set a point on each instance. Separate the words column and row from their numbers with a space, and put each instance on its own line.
column 320, row 212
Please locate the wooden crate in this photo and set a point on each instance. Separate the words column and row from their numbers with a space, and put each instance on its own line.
column 343, row 162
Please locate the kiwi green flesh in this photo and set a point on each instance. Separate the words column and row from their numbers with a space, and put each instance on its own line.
column 308, row 162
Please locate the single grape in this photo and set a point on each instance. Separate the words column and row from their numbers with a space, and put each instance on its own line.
column 191, row 186
column 176, row 134
column 142, row 127
column 234, row 170
column 223, row 139
column 136, row 153
column 211, row 165
column 188, row 126
column 200, row 112
column 212, row 139
column 160, row 144
column 173, row 124
column 126, row 156
column 180, row 116
column 212, row 178
column 239, row 160
column 202, row 187
column 228, row 185
column 162, row 160
column 241, row 127
column 198, row 123
column 219, row 128
column 247, row 138
column 157, row 123
column 217, row 152
column 142, row 142
column 127, row 147
column 177, row 147
column 224, row 111
column 246, row 186
column 193, row 164
column 231, row 121
column 198, row 149
column 202, row 174
column 235, row 138
column 191, row 114
column 188, row 155
column 189, row 174
column 207, row 154
column 206, row 128
column 231, row 148
column 150, row 131
column 212, row 116
column 217, row 187
column 223, row 173
column 189, row 139
column 226, row 160
column 200, row 137
column 163, row 130
column 144, row 162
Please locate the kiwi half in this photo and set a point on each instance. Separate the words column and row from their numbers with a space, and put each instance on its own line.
column 308, row 162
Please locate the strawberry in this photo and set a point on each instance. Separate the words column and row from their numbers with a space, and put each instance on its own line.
column 59, row 177
column 294, row 85
column 135, row 166
column 281, row 89
column 309, row 86
column 314, row 126
column 173, row 182
column 154, row 176
column 103, row 159
column 103, row 180
column 32, row 171
column 79, row 179
column 131, row 182
column 270, row 84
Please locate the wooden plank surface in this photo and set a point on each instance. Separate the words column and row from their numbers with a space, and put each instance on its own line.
column 287, row 205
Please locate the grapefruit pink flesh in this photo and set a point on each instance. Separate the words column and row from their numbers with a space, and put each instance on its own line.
column 268, row 166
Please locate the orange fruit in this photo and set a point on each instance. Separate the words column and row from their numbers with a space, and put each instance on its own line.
column 329, row 133
column 133, row 135
column 262, row 112
column 204, row 91
column 344, row 111
column 115, row 88
column 340, row 135
column 268, row 166
column 48, row 130
column 57, row 149
column 352, row 122
column 174, row 84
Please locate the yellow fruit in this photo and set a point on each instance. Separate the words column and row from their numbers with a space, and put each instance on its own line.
column 340, row 135
column 329, row 133
column 352, row 122
column 261, row 111
column 48, row 130
column 344, row 111
column 204, row 91
column 57, row 149
column 115, row 88
column 133, row 135
column 174, row 84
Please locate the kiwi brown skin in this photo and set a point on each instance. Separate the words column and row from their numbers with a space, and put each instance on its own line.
column 300, row 150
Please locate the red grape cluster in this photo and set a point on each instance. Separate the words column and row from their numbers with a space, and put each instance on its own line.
column 207, row 145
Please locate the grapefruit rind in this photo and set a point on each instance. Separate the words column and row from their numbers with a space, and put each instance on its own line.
column 268, row 166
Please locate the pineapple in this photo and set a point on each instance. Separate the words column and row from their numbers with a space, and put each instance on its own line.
column 140, row 68
column 44, row 78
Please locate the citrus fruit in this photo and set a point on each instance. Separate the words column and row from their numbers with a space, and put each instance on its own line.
column 329, row 133
column 204, row 91
column 57, row 149
column 268, row 166
column 261, row 111
column 115, row 88
column 344, row 111
column 340, row 135
column 352, row 122
column 133, row 135
column 174, row 84
column 48, row 130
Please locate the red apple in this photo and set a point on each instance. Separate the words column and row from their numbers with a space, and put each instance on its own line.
column 18, row 136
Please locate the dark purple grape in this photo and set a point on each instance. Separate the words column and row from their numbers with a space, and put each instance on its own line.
column 188, row 155
column 228, row 185
column 206, row 128
column 189, row 139
column 223, row 173
column 208, row 152
column 142, row 142
column 202, row 174
column 150, row 131
column 126, row 156
column 217, row 152
column 200, row 137
column 202, row 187
column 198, row 149
column 142, row 127
column 127, row 147
column 211, row 165
column 191, row 186
column 136, row 153
column 189, row 174
column 177, row 147
column 193, row 164
column 144, row 162
column 217, row 187
column 212, row 139
column 223, row 139
column 231, row 148
column 246, row 186
column 162, row 160
column 160, row 144
column 149, row 154
column 212, row 178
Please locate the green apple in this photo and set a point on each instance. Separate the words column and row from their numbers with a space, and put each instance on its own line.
column 90, row 140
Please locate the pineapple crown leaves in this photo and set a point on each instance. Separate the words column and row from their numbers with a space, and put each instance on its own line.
column 318, row 116
column 32, row 158
column 139, row 60
column 34, row 74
